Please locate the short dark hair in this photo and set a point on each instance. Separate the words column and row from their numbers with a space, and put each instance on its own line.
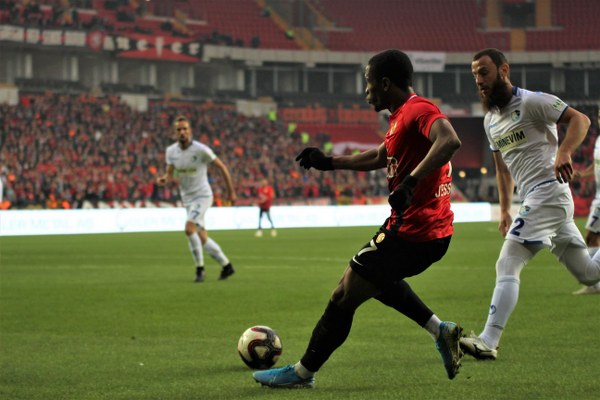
column 180, row 118
column 394, row 65
column 498, row 58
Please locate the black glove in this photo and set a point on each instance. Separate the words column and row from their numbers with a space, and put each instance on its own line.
column 313, row 157
column 401, row 197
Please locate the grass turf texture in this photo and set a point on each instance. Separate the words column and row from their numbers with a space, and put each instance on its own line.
column 119, row 317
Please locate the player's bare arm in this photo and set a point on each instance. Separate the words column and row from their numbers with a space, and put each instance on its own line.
column 577, row 128
column 365, row 161
column 506, row 187
column 162, row 180
column 445, row 144
column 227, row 177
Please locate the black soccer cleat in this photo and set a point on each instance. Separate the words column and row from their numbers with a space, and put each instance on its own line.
column 199, row 274
column 226, row 272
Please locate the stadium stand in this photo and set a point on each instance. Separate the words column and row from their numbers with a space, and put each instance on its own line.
column 341, row 25
column 67, row 151
column 414, row 28
column 567, row 32
column 57, row 146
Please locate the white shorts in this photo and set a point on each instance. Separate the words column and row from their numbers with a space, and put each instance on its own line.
column 546, row 217
column 593, row 222
column 197, row 210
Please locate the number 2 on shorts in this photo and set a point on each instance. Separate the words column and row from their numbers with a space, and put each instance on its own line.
column 515, row 231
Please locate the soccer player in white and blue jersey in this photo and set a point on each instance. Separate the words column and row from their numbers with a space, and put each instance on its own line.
column 592, row 226
column 188, row 160
column 521, row 127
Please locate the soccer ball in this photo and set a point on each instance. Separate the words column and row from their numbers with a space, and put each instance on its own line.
column 259, row 347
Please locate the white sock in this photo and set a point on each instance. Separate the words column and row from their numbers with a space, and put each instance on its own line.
column 504, row 301
column 196, row 249
column 215, row 252
column 302, row 372
column 433, row 326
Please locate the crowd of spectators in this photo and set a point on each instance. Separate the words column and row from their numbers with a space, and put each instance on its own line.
column 60, row 14
column 71, row 151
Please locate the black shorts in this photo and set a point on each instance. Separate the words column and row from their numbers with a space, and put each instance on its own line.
column 387, row 258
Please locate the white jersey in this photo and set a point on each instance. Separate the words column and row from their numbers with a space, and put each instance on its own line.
column 525, row 132
column 191, row 168
column 597, row 166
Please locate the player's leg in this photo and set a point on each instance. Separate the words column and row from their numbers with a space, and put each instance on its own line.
column 273, row 231
column 571, row 250
column 592, row 240
column 211, row 247
column 330, row 332
column 194, row 242
column 259, row 232
column 214, row 250
column 513, row 257
column 335, row 323
column 260, row 216
column 416, row 258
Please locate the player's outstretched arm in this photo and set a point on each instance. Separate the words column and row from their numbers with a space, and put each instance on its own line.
column 311, row 157
column 365, row 161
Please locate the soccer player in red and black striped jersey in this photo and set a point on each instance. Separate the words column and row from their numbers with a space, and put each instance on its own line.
column 417, row 151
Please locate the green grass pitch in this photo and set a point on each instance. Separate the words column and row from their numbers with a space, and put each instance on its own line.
column 119, row 317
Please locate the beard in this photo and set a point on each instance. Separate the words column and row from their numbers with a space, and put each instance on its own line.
column 500, row 95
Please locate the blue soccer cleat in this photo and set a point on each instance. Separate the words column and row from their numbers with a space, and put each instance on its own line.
column 448, row 346
column 284, row 377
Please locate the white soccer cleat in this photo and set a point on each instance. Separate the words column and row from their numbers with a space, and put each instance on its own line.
column 594, row 289
column 474, row 346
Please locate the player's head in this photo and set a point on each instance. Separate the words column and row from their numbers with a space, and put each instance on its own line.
column 385, row 74
column 183, row 130
column 491, row 72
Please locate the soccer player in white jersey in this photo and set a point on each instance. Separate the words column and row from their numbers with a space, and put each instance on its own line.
column 521, row 128
column 592, row 227
column 188, row 160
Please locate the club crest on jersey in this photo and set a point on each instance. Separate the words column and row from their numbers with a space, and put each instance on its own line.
column 515, row 115
column 597, row 212
column 524, row 210
column 380, row 238
column 392, row 130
